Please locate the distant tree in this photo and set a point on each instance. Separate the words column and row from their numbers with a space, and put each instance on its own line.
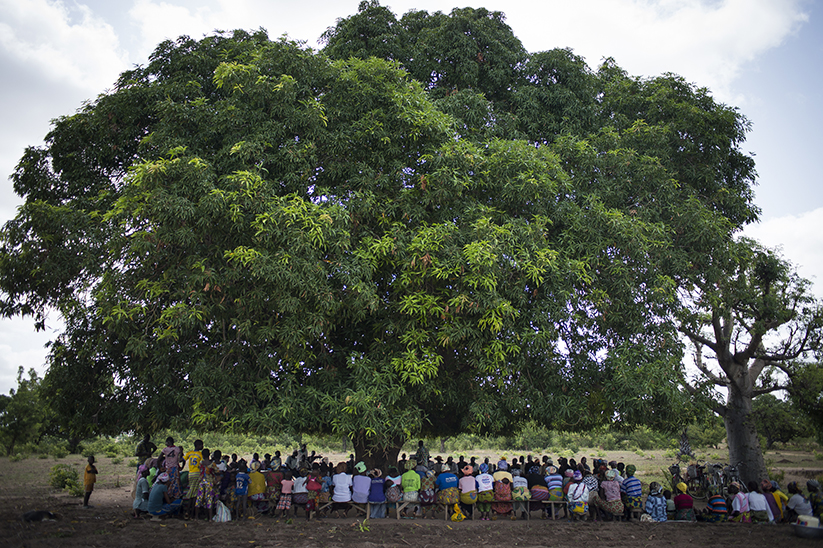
column 709, row 432
column 778, row 421
column 756, row 318
column 21, row 412
column 806, row 394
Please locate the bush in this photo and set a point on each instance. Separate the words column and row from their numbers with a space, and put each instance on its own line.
column 116, row 460
column 16, row 458
column 63, row 476
column 60, row 452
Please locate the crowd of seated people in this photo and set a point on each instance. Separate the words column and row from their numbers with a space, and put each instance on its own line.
column 186, row 484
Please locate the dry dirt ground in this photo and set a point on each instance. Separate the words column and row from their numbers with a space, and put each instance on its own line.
column 23, row 487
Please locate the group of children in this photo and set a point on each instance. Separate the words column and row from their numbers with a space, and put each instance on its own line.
column 182, row 484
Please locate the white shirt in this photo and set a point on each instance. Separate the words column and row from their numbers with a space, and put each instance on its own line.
column 578, row 493
column 342, row 487
column 800, row 505
column 757, row 503
column 485, row 482
column 300, row 485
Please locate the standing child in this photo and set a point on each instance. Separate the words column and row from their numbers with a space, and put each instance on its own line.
column 89, row 478
column 313, row 485
column 241, row 489
column 206, row 494
column 286, row 487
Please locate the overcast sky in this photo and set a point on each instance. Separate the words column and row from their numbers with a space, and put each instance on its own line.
column 757, row 55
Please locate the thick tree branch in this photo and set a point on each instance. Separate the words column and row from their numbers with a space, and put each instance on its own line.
column 697, row 338
column 760, row 391
column 698, row 361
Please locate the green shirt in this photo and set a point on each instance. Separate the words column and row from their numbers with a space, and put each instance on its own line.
column 410, row 481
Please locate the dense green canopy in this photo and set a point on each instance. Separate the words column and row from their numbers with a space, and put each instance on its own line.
column 421, row 229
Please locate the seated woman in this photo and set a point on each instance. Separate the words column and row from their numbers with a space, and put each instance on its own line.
column 683, row 504
column 341, row 496
column 740, row 505
column 758, row 505
column 578, row 495
column 160, row 504
column 485, row 492
column 632, row 492
column 798, row 505
column 377, row 494
column 361, row 484
column 141, row 494
column 656, row 503
column 468, row 490
column 539, row 488
column 610, row 502
column 716, row 509
column 815, row 497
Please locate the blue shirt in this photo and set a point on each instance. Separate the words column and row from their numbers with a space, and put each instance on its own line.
column 157, row 497
column 632, row 487
column 656, row 508
column 377, row 492
column 241, row 484
column 446, row 480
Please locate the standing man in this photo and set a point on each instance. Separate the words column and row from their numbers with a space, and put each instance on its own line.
column 422, row 455
column 145, row 449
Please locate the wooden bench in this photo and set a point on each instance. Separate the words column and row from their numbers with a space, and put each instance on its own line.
column 359, row 507
column 552, row 504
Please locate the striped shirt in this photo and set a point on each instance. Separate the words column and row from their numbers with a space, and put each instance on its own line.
column 632, row 487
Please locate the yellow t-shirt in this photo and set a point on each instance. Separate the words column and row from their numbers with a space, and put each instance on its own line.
column 193, row 459
column 89, row 477
column 257, row 483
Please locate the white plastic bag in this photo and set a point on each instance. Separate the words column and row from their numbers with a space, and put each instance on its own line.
column 222, row 513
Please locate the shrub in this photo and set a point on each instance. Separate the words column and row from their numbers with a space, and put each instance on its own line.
column 60, row 452
column 134, row 463
column 62, row 476
column 116, row 460
column 16, row 458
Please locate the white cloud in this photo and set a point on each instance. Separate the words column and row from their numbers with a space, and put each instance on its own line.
column 66, row 43
column 20, row 345
column 801, row 239
column 707, row 42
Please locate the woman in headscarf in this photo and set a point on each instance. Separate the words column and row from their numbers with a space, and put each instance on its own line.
column 758, row 505
column 609, row 502
column 740, row 504
column 656, row 503
column 716, row 508
column 683, row 504
column 485, row 492
column 632, row 491
column 539, row 488
column 578, row 496
column 468, row 490
column 377, row 494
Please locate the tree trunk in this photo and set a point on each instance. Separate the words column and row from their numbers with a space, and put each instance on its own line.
column 74, row 444
column 377, row 457
column 742, row 437
column 443, row 444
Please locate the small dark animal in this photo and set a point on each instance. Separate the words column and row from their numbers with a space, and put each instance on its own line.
column 38, row 515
